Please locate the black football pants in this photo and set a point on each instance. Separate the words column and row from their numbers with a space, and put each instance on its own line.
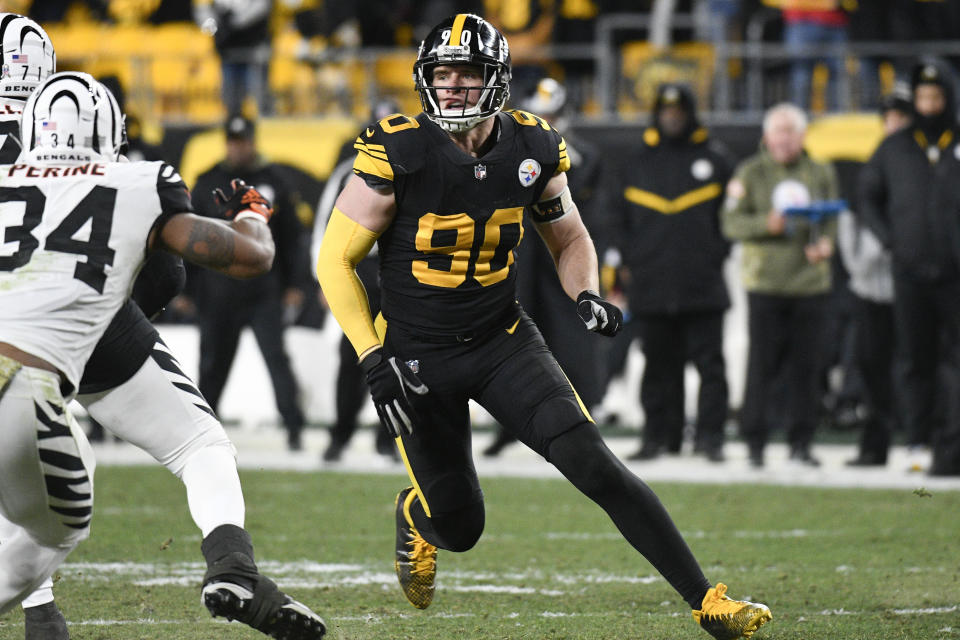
column 516, row 379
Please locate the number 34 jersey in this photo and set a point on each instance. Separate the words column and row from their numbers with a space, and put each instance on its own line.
column 72, row 239
column 447, row 260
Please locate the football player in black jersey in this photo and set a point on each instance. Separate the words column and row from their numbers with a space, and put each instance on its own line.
column 443, row 195
column 135, row 387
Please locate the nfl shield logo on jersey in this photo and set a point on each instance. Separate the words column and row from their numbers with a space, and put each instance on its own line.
column 529, row 172
column 480, row 172
column 414, row 365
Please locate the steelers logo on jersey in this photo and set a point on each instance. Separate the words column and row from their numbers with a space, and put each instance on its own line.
column 529, row 172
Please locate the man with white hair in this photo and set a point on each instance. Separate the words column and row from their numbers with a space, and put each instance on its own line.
column 786, row 272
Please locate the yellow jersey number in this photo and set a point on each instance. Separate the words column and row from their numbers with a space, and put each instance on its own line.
column 465, row 230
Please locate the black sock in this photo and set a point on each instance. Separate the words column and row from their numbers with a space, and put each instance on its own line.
column 581, row 455
column 228, row 551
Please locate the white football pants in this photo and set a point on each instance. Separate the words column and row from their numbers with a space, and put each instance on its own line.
column 46, row 483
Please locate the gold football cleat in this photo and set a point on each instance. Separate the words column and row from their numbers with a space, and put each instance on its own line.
column 727, row 619
column 416, row 560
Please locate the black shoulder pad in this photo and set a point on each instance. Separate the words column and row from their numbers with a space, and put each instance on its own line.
column 173, row 192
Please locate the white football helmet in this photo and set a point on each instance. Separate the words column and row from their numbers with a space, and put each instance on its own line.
column 71, row 116
column 28, row 56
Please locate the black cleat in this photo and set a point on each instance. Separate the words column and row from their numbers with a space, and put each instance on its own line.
column 266, row 609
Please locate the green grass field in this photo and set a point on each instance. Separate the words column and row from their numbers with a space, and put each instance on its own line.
column 832, row 563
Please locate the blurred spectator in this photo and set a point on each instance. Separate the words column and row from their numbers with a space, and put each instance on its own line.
column 528, row 27
column 241, row 35
column 871, row 281
column 351, row 385
column 870, row 23
column 786, row 272
column 225, row 306
column 538, row 287
column 924, row 19
column 575, row 24
column 430, row 12
column 910, row 197
column 812, row 26
column 666, row 200
column 137, row 148
column 59, row 10
column 896, row 108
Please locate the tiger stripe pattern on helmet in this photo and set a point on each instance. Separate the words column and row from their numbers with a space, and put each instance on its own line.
column 71, row 115
column 28, row 56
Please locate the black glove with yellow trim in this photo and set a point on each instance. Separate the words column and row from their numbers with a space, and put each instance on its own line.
column 391, row 382
column 599, row 315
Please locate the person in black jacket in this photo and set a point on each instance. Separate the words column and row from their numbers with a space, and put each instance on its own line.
column 225, row 307
column 670, row 192
column 351, row 387
column 538, row 288
column 910, row 199
column 241, row 36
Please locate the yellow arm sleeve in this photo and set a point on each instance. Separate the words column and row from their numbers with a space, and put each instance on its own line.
column 344, row 244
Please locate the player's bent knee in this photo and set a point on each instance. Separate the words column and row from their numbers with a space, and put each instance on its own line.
column 454, row 502
column 555, row 417
column 211, row 440
column 460, row 530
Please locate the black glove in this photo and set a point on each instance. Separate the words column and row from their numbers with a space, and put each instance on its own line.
column 599, row 315
column 390, row 380
column 243, row 199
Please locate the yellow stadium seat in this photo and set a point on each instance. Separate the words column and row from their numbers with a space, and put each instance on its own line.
column 844, row 136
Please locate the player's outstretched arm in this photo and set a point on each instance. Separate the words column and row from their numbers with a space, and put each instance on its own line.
column 242, row 248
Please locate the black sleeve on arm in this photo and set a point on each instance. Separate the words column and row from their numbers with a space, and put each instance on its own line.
column 162, row 278
column 174, row 198
column 173, row 192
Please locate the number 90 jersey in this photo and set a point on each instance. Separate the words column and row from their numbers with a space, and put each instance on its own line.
column 447, row 260
column 72, row 239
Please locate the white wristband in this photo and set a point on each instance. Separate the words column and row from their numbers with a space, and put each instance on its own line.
column 250, row 213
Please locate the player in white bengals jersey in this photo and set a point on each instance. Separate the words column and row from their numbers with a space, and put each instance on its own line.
column 130, row 374
column 77, row 227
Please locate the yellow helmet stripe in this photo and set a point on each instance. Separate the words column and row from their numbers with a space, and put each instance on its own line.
column 456, row 30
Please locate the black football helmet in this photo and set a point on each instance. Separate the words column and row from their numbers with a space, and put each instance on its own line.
column 464, row 39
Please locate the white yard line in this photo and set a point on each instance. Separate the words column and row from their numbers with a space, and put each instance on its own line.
column 265, row 449
column 377, row 619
